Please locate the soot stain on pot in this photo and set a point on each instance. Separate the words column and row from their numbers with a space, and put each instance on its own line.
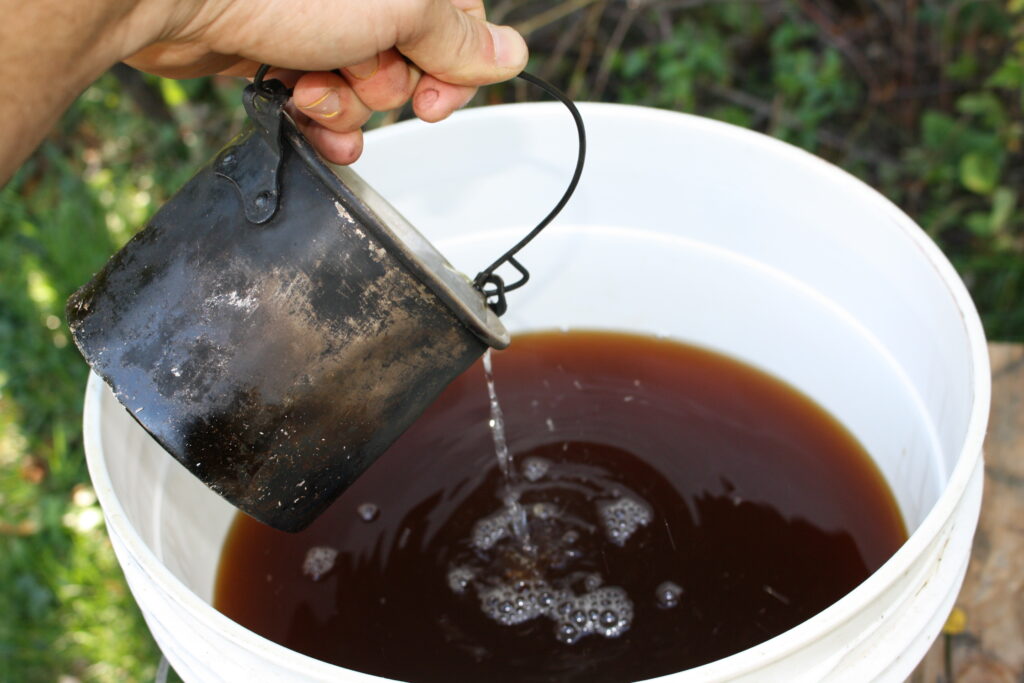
column 762, row 510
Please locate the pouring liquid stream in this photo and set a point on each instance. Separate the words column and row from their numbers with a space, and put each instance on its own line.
column 518, row 576
column 496, row 423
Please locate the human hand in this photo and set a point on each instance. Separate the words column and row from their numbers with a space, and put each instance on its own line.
column 433, row 52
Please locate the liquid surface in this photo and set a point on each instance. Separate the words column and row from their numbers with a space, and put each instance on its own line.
column 680, row 507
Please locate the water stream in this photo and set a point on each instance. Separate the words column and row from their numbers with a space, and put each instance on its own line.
column 516, row 513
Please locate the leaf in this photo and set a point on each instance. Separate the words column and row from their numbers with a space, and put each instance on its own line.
column 36, row 597
column 937, row 129
column 980, row 172
column 979, row 223
column 963, row 68
column 635, row 62
column 1004, row 201
column 984, row 105
column 734, row 115
column 174, row 94
column 1009, row 74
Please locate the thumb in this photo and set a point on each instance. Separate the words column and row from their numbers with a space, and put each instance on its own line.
column 458, row 48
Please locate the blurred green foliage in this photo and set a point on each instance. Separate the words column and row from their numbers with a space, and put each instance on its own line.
column 923, row 99
column 66, row 610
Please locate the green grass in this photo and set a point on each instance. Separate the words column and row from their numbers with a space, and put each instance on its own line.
column 60, row 589
column 928, row 111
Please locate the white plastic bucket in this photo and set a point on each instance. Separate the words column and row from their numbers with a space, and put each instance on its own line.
column 682, row 227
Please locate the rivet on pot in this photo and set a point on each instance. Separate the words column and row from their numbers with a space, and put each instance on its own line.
column 263, row 199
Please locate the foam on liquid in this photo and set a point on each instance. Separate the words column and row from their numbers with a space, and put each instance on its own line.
column 510, row 574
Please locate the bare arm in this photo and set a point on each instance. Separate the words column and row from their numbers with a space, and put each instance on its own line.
column 49, row 52
column 432, row 51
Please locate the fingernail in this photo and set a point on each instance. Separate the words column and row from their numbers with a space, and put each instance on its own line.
column 364, row 70
column 509, row 47
column 328, row 106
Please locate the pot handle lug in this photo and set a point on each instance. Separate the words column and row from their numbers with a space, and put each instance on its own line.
column 253, row 165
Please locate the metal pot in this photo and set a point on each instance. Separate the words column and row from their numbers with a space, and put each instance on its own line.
column 278, row 325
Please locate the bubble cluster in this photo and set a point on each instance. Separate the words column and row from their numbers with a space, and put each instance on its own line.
column 667, row 594
column 544, row 511
column 490, row 529
column 535, row 468
column 534, row 557
column 459, row 579
column 513, row 604
column 368, row 512
column 319, row 560
column 622, row 517
column 606, row 611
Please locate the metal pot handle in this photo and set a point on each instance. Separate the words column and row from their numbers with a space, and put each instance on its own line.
column 495, row 295
column 252, row 171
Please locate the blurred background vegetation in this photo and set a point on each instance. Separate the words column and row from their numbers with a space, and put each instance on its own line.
column 922, row 99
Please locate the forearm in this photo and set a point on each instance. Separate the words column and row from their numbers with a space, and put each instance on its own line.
column 50, row 51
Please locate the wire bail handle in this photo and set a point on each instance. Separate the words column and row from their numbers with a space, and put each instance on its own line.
column 495, row 294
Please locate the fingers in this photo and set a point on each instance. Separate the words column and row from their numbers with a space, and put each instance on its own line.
column 329, row 100
column 339, row 148
column 388, row 81
column 451, row 41
column 383, row 82
column 442, row 49
column 328, row 112
column 435, row 100
column 474, row 8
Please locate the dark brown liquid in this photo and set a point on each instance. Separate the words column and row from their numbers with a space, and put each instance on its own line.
column 752, row 510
